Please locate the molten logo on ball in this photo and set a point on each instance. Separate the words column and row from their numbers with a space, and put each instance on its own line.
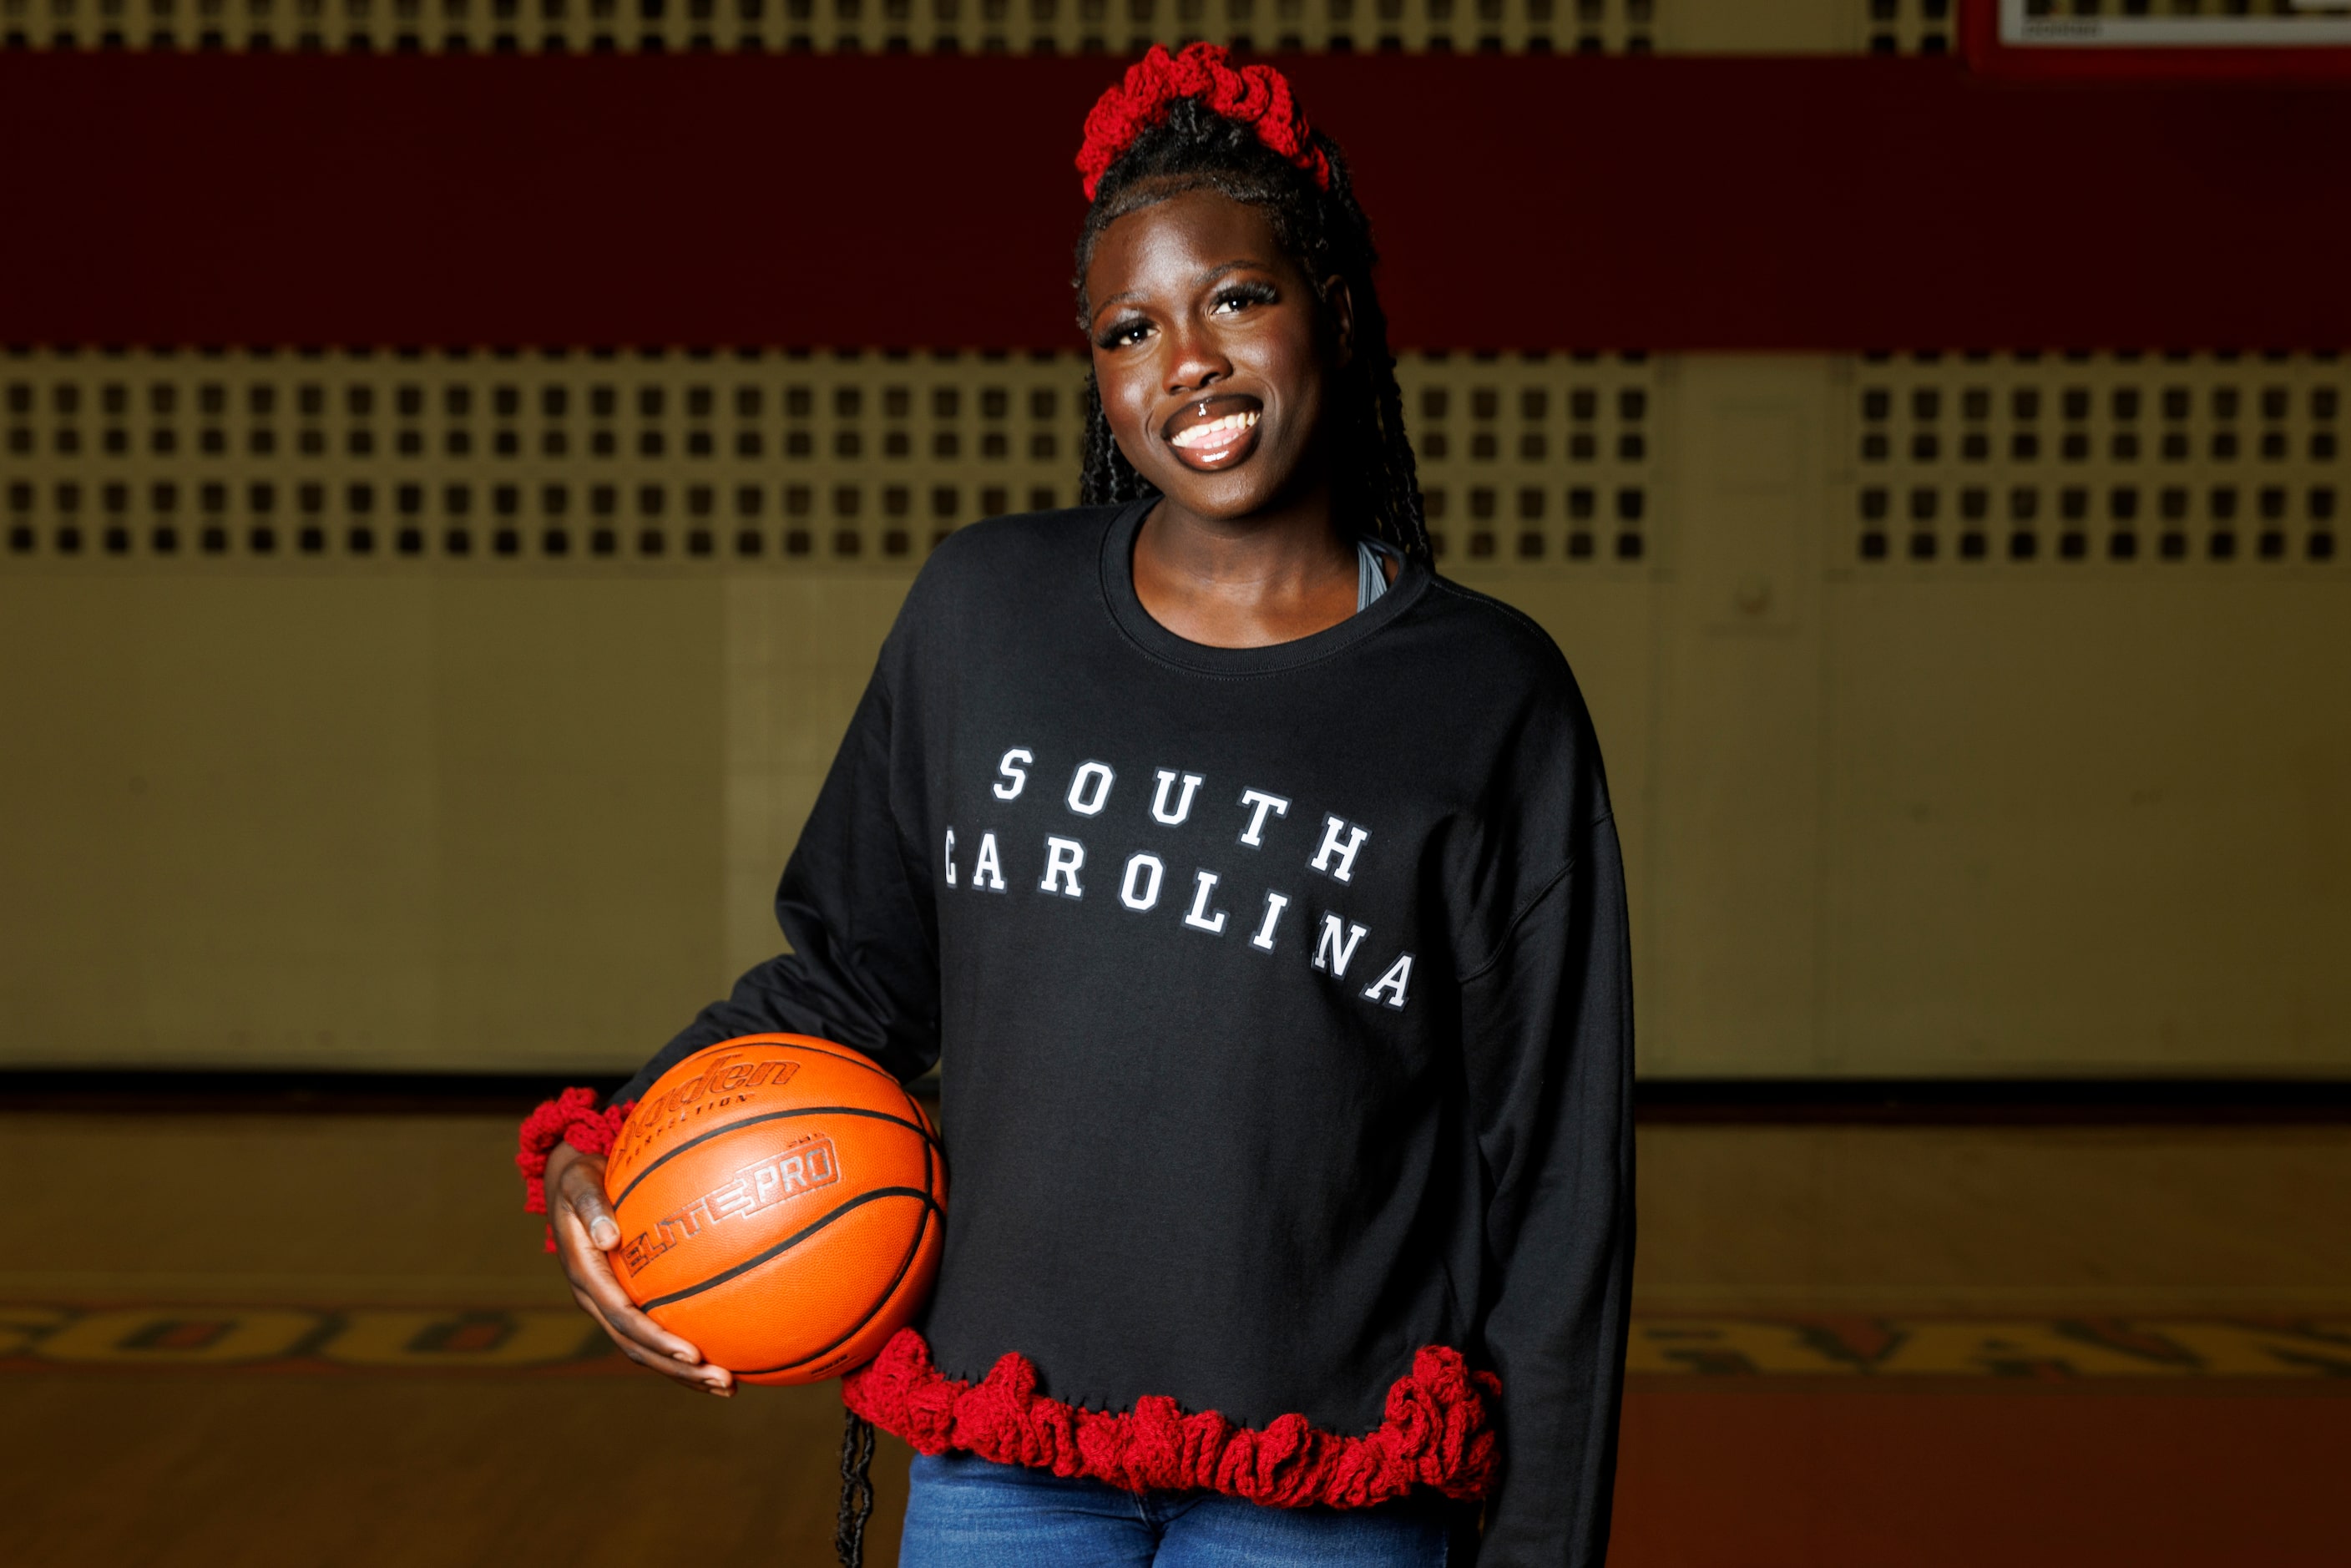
column 802, row 1168
column 726, row 1075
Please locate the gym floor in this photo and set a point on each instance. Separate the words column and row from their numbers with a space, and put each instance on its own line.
column 234, row 1336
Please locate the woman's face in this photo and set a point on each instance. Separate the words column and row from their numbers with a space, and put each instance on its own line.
column 1213, row 356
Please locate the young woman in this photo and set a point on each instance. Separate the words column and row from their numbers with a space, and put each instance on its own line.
column 1258, row 889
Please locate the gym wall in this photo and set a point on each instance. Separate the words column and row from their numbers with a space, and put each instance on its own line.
column 453, row 703
column 984, row 26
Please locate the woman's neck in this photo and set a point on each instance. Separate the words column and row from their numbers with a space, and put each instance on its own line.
column 1247, row 583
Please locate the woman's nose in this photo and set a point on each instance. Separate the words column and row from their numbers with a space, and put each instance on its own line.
column 1195, row 360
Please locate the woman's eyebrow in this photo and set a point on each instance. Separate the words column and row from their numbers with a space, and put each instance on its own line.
column 1200, row 280
column 1244, row 265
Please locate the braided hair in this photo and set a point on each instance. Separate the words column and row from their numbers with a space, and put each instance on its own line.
column 1376, row 482
column 856, row 1490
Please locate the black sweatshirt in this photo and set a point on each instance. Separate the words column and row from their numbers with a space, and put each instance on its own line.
column 1282, row 992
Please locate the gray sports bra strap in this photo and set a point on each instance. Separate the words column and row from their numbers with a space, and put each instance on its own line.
column 1371, row 577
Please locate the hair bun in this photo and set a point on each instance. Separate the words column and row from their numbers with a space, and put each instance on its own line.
column 1255, row 96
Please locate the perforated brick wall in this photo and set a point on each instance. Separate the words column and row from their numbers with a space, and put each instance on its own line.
column 370, row 460
column 2111, row 458
column 823, row 458
column 979, row 26
column 882, row 25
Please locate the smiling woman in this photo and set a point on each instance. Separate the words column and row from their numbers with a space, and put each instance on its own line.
column 1214, row 355
column 1241, row 362
column 1258, row 893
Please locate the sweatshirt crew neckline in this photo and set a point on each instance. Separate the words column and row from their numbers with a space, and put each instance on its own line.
column 1126, row 609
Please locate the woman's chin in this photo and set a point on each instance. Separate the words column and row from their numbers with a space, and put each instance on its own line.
column 1219, row 497
column 1250, row 486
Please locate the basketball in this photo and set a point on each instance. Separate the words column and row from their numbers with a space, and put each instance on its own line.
column 780, row 1201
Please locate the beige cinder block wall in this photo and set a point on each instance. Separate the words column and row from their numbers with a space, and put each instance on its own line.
column 1897, row 798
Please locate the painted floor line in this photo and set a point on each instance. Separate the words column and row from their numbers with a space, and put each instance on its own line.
column 1859, row 1347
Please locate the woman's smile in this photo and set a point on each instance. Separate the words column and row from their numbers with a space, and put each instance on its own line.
column 1213, row 433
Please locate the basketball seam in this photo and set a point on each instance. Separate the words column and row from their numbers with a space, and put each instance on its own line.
column 670, row 1155
column 781, row 1248
column 914, row 1248
column 922, row 1228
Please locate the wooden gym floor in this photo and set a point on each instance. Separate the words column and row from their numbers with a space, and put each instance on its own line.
column 305, row 1339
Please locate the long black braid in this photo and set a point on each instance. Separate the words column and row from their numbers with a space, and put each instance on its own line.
column 1376, row 481
column 856, row 1490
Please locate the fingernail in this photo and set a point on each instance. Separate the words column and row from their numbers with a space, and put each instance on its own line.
column 604, row 1233
column 686, row 1357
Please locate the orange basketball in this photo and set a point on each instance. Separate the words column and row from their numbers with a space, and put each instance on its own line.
column 780, row 1201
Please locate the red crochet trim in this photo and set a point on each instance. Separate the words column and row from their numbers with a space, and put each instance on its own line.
column 570, row 1117
column 1255, row 96
column 1436, row 1433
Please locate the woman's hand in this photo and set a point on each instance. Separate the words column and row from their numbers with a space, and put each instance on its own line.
column 584, row 1231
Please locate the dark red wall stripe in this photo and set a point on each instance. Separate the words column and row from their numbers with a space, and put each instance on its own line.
column 1665, row 203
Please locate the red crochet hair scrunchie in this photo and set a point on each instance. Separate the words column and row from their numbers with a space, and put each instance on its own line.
column 570, row 1117
column 1255, row 96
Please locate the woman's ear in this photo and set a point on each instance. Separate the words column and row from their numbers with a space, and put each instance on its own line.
column 1341, row 304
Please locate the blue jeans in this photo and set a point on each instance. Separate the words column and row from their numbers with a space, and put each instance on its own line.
column 968, row 1513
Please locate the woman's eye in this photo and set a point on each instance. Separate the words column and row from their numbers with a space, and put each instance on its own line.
column 1235, row 300
column 1125, row 333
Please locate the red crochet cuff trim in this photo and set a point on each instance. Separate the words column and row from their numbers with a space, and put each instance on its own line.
column 570, row 1117
column 1435, row 1434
